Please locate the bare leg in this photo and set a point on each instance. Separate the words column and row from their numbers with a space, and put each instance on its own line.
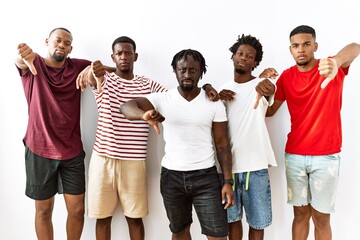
column 43, row 214
column 103, row 228
column 301, row 224
column 256, row 234
column 183, row 235
column 322, row 225
column 235, row 230
column 75, row 205
column 136, row 228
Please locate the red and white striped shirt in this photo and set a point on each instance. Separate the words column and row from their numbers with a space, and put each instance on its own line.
column 117, row 137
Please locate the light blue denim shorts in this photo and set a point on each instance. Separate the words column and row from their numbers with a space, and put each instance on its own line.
column 256, row 200
column 312, row 180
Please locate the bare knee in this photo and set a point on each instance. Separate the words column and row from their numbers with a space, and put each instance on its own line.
column 182, row 235
column 134, row 221
column 302, row 213
column 321, row 220
column 44, row 209
column 75, row 205
column 103, row 222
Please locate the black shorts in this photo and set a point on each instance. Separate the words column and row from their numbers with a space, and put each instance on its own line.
column 199, row 189
column 45, row 177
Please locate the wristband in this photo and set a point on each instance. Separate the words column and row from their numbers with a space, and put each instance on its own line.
column 229, row 181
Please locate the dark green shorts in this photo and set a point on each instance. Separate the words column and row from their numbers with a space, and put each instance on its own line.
column 45, row 177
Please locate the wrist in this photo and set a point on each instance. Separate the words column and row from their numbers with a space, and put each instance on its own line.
column 229, row 181
column 205, row 85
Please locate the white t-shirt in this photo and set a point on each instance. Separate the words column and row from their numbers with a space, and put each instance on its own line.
column 188, row 129
column 250, row 143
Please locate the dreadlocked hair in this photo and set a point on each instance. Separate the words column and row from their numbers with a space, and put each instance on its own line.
column 195, row 54
column 249, row 40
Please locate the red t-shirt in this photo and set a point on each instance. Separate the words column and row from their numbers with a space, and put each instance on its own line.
column 53, row 129
column 314, row 112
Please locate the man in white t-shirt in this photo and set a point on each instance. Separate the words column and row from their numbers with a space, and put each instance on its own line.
column 194, row 127
column 252, row 153
column 117, row 170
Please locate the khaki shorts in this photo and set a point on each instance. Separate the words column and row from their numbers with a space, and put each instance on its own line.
column 113, row 181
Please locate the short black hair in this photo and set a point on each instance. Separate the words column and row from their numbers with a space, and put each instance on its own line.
column 303, row 29
column 249, row 40
column 59, row 28
column 123, row 39
column 196, row 55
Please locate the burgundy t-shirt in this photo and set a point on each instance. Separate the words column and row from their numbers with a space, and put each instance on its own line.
column 53, row 129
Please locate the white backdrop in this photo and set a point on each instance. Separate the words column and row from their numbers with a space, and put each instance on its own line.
column 161, row 29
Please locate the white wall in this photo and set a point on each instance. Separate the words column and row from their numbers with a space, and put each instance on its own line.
column 160, row 29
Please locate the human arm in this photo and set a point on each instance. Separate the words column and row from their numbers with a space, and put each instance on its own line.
column 269, row 73
column 93, row 75
column 264, row 88
column 211, row 93
column 328, row 67
column 223, row 152
column 227, row 95
column 347, row 55
column 25, row 59
column 142, row 109
column 271, row 110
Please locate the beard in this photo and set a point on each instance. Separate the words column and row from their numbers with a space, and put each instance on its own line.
column 124, row 70
column 239, row 71
column 302, row 63
column 186, row 88
column 58, row 58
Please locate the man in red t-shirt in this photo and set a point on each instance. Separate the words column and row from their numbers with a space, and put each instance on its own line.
column 313, row 91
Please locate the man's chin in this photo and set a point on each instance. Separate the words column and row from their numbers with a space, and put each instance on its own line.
column 302, row 63
column 186, row 88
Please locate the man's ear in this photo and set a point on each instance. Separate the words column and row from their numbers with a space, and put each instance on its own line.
column 136, row 56
column 316, row 46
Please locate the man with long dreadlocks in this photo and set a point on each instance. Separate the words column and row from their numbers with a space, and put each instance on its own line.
column 193, row 127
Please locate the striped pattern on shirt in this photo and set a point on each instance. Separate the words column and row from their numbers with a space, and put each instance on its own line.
column 117, row 137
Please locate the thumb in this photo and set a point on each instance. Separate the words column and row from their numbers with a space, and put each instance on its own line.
column 331, row 75
column 99, row 80
column 326, row 82
column 31, row 66
column 157, row 129
column 257, row 100
column 98, row 85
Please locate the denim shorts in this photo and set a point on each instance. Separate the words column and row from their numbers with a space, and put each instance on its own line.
column 256, row 200
column 312, row 180
column 45, row 177
column 181, row 190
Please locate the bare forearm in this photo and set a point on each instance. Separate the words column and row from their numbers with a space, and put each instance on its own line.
column 110, row 69
column 346, row 55
column 225, row 160
column 131, row 110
